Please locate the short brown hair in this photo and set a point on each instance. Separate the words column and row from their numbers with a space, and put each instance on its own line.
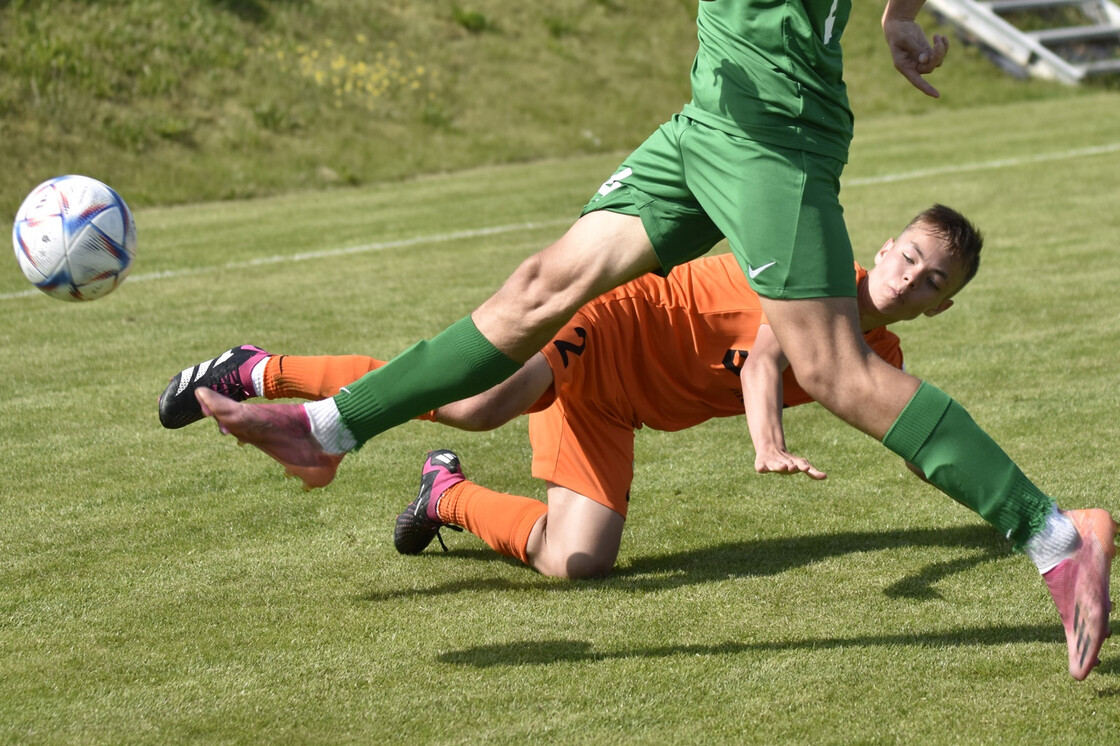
column 964, row 239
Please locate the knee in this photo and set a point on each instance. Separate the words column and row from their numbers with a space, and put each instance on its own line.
column 587, row 566
column 576, row 566
column 546, row 293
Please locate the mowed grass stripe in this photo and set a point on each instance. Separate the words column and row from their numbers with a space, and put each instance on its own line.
column 482, row 232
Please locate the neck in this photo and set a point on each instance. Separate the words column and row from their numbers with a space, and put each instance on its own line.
column 869, row 317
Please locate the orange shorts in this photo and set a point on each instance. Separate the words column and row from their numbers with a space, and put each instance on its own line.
column 584, row 440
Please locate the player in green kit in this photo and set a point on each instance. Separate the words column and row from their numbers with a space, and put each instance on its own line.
column 755, row 157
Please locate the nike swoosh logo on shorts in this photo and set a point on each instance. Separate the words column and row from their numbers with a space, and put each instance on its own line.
column 753, row 272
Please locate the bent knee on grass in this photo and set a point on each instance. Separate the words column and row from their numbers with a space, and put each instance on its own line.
column 578, row 538
column 557, row 558
column 575, row 566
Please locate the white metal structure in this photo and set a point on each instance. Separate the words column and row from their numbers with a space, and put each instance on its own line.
column 1068, row 40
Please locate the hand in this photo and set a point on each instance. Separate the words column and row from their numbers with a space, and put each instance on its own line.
column 911, row 52
column 780, row 461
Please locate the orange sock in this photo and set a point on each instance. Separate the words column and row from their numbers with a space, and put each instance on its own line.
column 502, row 521
column 316, row 377
column 313, row 376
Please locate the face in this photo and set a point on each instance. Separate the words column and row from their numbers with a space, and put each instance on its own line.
column 913, row 275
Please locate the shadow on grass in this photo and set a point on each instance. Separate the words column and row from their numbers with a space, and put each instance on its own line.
column 547, row 652
column 1108, row 668
column 742, row 559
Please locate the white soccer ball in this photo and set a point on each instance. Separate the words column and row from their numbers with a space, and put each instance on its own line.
column 75, row 238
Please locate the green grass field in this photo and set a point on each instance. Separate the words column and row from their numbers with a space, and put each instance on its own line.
column 180, row 101
column 168, row 587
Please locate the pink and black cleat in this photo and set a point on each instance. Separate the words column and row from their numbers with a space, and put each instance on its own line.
column 1079, row 587
column 230, row 374
column 419, row 523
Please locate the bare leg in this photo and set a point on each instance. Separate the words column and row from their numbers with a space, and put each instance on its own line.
column 600, row 252
column 820, row 338
column 822, row 341
column 577, row 538
column 280, row 430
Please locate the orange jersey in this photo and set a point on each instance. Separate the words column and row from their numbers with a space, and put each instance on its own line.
column 662, row 352
column 677, row 343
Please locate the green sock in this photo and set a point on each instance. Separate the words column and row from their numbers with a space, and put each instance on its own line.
column 458, row 363
column 937, row 435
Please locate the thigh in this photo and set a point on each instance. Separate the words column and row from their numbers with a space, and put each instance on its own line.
column 601, row 251
column 585, row 439
column 820, row 338
column 780, row 210
column 585, row 452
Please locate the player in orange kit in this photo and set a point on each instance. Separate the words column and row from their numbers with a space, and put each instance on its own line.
column 662, row 352
column 756, row 158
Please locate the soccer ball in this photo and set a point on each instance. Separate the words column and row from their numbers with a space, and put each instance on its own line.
column 74, row 238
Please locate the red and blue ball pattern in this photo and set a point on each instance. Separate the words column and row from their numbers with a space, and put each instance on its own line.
column 74, row 238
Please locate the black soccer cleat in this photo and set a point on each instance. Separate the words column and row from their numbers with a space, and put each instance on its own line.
column 419, row 523
column 229, row 374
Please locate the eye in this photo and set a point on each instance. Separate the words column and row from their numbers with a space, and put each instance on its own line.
column 909, row 259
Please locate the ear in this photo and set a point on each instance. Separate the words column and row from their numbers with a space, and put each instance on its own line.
column 883, row 251
column 945, row 306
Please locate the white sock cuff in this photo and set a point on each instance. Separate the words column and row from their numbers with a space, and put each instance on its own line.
column 257, row 376
column 327, row 427
column 1058, row 540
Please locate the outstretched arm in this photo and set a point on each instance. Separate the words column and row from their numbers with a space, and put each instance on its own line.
column 498, row 405
column 911, row 52
column 761, row 379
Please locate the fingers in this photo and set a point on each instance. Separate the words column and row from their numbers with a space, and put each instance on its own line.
column 804, row 467
column 921, row 83
column 932, row 58
column 940, row 49
column 913, row 55
column 914, row 66
column 788, row 464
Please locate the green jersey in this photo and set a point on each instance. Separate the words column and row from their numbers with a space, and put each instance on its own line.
column 771, row 70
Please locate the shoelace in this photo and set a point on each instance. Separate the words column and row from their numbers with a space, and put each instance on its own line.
column 230, row 385
column 440, row 536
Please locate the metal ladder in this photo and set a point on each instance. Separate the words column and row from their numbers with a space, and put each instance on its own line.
column 1064, row 40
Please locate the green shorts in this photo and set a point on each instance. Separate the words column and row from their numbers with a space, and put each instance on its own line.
column 779, row 209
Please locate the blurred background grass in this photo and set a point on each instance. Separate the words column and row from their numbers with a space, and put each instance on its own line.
column 201, row 100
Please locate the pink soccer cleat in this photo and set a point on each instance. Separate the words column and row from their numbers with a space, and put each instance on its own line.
column 419, row 523
column 280, row 430
column 1079, row 587
column 229, row 373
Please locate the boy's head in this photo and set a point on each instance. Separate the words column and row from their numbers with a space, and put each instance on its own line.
column 920, row 271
